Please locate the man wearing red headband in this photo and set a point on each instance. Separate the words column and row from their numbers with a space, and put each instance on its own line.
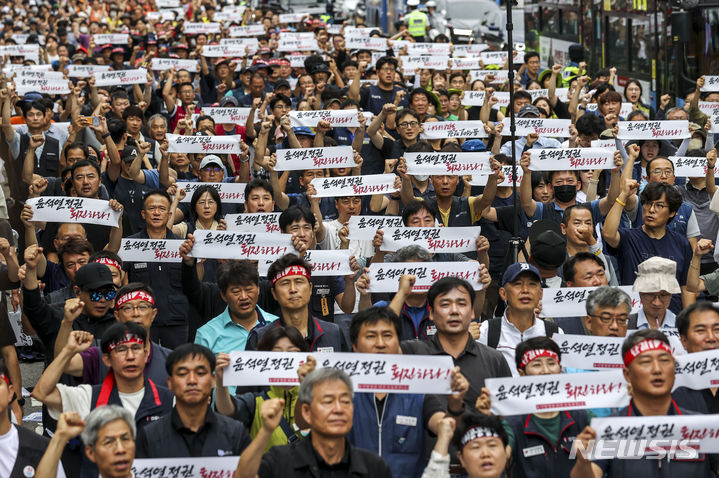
column 292, row 289
column 649, row 369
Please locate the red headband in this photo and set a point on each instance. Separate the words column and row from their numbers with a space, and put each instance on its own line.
column 109, row 262
column 646, row 345
column 530, row 355
column 134, row 295
column 127, row 339
column 292, row 271
column 4, row 377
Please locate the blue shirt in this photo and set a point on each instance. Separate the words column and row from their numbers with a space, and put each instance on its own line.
column 222, row 334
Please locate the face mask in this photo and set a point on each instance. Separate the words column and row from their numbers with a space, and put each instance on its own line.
column 565, row 193
column 421, row 178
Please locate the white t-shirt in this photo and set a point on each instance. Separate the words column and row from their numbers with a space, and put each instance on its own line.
column 9, row 446
column 79, row 399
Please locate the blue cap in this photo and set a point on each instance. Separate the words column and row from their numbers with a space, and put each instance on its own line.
column 517, row 268
column 305, row 130
column 474, row 145
column 32, row 96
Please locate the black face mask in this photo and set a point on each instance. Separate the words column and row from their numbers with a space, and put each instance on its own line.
column 565, row 193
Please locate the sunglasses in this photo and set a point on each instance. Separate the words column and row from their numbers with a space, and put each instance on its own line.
column 98, row 295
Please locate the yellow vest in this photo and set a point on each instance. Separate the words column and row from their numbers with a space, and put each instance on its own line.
column 417, row 23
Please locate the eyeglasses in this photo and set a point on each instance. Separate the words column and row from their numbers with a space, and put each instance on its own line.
column 130, row 308
column 408, row 124
column 112, row 442
column 134, row 348
column 656, row 205
column 663, row 172
column 98, row 295
column 658, row 296
column 211, row 169
column 607, row 319
column 206, row 202
column 387, row 68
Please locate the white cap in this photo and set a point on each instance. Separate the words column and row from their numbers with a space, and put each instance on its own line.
column 211, row 159
column 412, row 3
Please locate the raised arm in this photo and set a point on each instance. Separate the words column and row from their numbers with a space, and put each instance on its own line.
column 525, row 187
column 7, row 127
column 251, row 458
column 610, row 232
column 615, row 182
column 695, row 283
column 358, row 140
column 28, row 164
column 373, row 130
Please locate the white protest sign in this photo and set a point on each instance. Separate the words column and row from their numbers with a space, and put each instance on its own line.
column 195, row 28
column 469, row 63
column 357, row 31
column 150, row 250
column 498, row 76
column 458, row 164
column 73, row 209
column 48, row 86
column 226, row 115
column 299, row 159
column 687, row 167
column 469, row 50
column 454, row 129
column 162, row 64
column 507, row 170
column 245, row 43
column 299, row 44
column 429, row 49
column 229, row 192
column 15, row 68
column 203, row 144
column 41, row 75
column 502, row 99
column 589, row 352
column 558, row 159
column 355, row 185
column 347, row 118
column 711, row 109
column 120, row 77
column 541, row 126
column 254, row 222
column 548, row 393
column 187, row 467
column 434, row 239
column 324, row 263
column 357, row 42
column 30, row 51
column 15, row 320
column 85, row 71
column 240, row 245
column 376, row 373
column 473, row 98
column 682, row 435
column 674, row 340
column 248, row 30
column 604, row 143
column 385, row 277
column 297, row 61
column 434, row 62
column 499, row 57
column 226, row 50
column 561, row 94
column 111, row 38
column 698, row 370
column 292, row 17
column 711, row 83
column 167, row 3
column 364, row 228
column 678, row 129
column 571, row 301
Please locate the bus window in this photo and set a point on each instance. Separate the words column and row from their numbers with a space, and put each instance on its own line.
column 550, row 20
column 570, row 24
column 641, row 46
column 616, row 47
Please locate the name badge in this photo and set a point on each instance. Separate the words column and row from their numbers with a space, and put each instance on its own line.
column 533, row 451
column 325, row 349
column 140, row 265
column 409, row 421
column 431, row 330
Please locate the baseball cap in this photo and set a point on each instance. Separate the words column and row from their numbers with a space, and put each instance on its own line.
column 303, row 130
column 528, row 110
column 118, row 50
column 129, row 153
column 518, row 268
column 548, row 244
column 282, row 83
column 211, row 159
column 93, row 276
column 227, row 100
column 472, row 145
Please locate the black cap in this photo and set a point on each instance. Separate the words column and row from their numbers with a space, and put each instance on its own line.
column 547, row 243
column 281, row 83
column 129, row 153
column 93, row 276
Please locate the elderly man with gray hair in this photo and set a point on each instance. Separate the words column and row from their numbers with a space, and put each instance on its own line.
column 325, row 404
column 608, row 312
column 109, row 438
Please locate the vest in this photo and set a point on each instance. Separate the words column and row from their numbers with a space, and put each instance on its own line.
column 31, row 448
column 48, row 164
column 416, row 23
column 550, row 213
column 425, row 331
column 400, row 444
column 458, row 212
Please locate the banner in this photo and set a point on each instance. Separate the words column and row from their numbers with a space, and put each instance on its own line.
column 507, row 183
column 384, row 277
column 248, row 45
column 564, row 391
column 605, row 143
column 686, row 167
column 325, row 263
column 150, row 250
column 558, row 159
column 203, row 144
column 111, row 39
column 459, row 164
column 434, row 239
column 85, row 71
column 364, row 228
column 186, row 467
column 49, row 86
column 292, row 17
column 357, row 42
column 299, row 159
column 120, row 77
column 226, row 115
column 588, row 352
column 253, row 222
column 346, row 118
column 468, row 63
column 571, row 301
column 653, row 129
column 683, row 436
column 429, row 49
column 711, row 83
column 355, row 185
column 453, row 129
column 377, row 373
column 499, row 76
column 41, row 75
column 162, row 64
column 240, row 245
column 297, row 61
column 300, row 44
column 473, row 98
column 674, row 340
column 257, row 29
column 233, row 193
column 500, row 57
column 435, row 62
column 224, row 50
column 561, row 93
column 195, row 28
column 30, row 51
column 543, row 127
column 469, row 50
column 698, row 370
column 73, row 209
